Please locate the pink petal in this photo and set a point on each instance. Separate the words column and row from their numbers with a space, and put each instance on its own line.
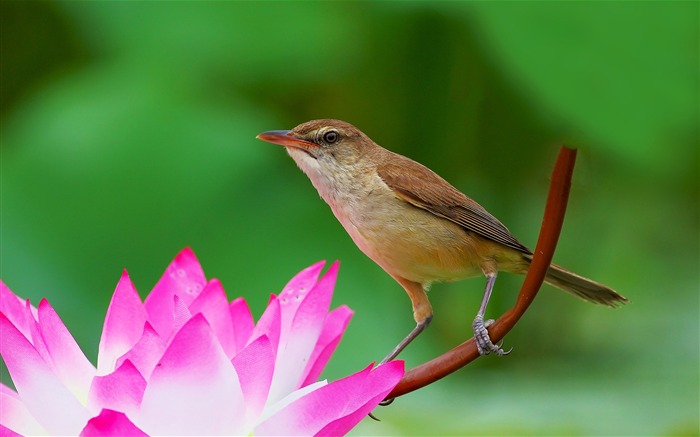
column 123, row 325
column 296, row 288
column 146, row 353
column 14, row 309
column 181, row 314
column 333, row 330
column 314, row 306
column 213, row 305
column 35, row 337
column 333, row 407
column 194, row 390
column 15, row 416
column 382, row 380
column 184, row 278
column 6, row 432
column 242, row 322
column 269, row 325
column 297, row 341
column 44, row 395
column 111, row 423
column 121, row 390
column 255, row 366
column 71, row 365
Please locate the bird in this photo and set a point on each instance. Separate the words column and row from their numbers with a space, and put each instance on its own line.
column 414, row 224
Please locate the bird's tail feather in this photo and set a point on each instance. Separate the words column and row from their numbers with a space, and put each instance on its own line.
column 581, row 287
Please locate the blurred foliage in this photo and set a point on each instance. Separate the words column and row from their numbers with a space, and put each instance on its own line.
column 128, row 132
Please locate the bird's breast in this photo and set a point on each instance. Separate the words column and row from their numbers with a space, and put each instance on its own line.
column 404, row 240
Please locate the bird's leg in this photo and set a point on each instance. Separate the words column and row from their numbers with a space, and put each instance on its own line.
column 481, row 335
column 409, row 338
column 422, row 313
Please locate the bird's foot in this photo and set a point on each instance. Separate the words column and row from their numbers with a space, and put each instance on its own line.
column 483, row 341
column 383, row 403
column 386, row 402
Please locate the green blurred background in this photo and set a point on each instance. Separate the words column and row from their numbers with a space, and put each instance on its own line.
column 128, row 132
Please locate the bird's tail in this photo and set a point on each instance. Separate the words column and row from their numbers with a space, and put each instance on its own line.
column 581, row 287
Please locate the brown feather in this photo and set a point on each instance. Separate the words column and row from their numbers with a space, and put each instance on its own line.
column 423, row 188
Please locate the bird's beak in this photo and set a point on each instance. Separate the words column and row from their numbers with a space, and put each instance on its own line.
column 286, row 138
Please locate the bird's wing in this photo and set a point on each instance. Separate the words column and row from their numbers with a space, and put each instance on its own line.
column 421, row 187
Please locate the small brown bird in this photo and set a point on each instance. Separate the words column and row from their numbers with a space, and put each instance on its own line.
column 413, row 223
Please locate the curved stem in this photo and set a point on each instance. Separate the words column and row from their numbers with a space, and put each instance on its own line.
column 552, row 221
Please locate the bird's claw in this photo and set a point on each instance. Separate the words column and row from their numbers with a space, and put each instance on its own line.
column 386, row 402
column 483, row 341
column 383, row 403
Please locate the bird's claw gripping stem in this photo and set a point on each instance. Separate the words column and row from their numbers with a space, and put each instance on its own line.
column 482, row 339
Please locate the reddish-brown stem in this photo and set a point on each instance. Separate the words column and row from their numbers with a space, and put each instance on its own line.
column 552, row 221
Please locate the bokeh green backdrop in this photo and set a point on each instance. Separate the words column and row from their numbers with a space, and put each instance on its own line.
column 128, row 132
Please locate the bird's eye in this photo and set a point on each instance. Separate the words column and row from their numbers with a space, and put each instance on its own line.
column 330, row 137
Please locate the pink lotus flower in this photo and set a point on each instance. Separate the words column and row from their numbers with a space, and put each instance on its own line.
column 187, row 362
